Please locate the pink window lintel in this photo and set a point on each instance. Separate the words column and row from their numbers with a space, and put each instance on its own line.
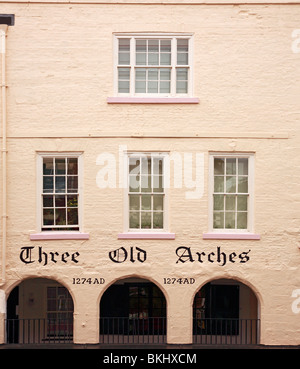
column 230, row 236
column 153, row 100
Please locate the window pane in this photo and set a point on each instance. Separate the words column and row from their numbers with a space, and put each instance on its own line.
column 165, row 45
column 165, row 59
column 134, row 219
column 134, row 183
column 158, row 202
column 60, row 166
column 134, row 165
column 157, row 165
column 124, row 73
column 164, row 87
column 124, row 58
column 181, row 87
column 183, row 59
column 123, row 86
column 60, row 216
column 141, row 59
column 47, row 201
column 72, row 201
column 242, row 202
column 141, row 45
column 218, row 219
column 145, row 183
column 153, row 45
column 134, row 202
column 47, row 184
column 158, row 220
column 230, row 166
column 72, row 216
column 153, row 59
column 140, row 86
column 124, row 44
column 146, row 165
column 157, row 183
column 165, row 74
column 48, row 166
column 140, row 74
column 60, row 184
column 72, row 183
column 242, row 184
column 229, row 220
column 72, row 166
column 243, row 166
column 230, row 202
column 60, row 201
column 182, row 74
column 153, row 74
column 152, row 87
column 218, row 184
column 242, row 220
column 48, row 216
column 146, row 202
column 182, row 45
column 218, row 202
column 230, row 184
column 51, row 305
column 146, row 220
column 51, row 292
column 219, row 166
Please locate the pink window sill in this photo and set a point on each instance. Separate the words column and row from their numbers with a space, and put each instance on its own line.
column 152, row 100
column 231, row 236
column 146, row 236
column 59, row 236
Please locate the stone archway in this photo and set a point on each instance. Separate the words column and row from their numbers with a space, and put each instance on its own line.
column 39, row 310
column 133, row 310
column 225, row 311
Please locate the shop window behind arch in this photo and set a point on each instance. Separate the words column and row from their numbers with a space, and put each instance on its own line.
column 59, row 312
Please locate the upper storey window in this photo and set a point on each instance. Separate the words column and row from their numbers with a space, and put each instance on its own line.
column 153, row 65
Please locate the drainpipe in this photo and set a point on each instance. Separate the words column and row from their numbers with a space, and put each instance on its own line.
column 5, row 21
column 3, row 31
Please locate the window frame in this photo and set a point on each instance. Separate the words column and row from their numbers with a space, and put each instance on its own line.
column 165, row 229
column 132, row 66
column 61, row 155
column 250, row 204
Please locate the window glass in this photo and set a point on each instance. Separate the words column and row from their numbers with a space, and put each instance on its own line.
column 146, row 192
column 60, row 194
column 156, row 65
column 230, row 193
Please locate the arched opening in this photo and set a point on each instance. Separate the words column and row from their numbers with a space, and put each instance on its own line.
column 39, row 310
column 225, row 312
column 133, row 310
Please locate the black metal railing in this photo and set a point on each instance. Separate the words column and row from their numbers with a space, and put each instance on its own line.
column 124, row 330
column 212, row 331
column 37, row 331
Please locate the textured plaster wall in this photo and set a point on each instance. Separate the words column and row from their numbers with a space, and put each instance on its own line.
column 59, row 75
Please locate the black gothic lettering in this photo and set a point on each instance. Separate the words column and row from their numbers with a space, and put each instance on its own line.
column 185, row 255
column 29, row 254
column 25, row 255
column 135, row 254
column 141, row 255
column 118, row 256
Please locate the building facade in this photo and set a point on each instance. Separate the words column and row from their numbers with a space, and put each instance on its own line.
column 150, row 172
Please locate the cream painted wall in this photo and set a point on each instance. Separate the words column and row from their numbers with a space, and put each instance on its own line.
column 246, row 76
